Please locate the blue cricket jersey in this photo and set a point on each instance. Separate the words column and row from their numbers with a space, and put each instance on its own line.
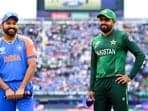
column 14, row 57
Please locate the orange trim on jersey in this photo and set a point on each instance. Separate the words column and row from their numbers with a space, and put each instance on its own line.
column 30, row 48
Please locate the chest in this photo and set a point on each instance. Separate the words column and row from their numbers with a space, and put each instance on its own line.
column 107, row 43
column 10, row 49
column 107, row 46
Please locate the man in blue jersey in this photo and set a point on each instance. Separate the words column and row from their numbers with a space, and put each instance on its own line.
column 17, row 66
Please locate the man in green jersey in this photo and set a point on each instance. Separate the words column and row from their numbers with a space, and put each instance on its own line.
column 108, row 81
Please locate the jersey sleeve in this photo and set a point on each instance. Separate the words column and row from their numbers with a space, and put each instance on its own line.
column 93, row 69
column 137, row 52
column 30, row 49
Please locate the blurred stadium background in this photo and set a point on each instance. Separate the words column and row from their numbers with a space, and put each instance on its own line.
column 62, row 31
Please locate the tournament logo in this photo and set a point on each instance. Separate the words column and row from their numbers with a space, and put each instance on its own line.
column 2, row 50
column 19, row 47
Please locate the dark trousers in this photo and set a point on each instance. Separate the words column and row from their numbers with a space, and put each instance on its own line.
column 108, row 93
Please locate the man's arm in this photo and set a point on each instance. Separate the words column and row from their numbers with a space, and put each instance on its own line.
column 28, row 76
column 93, row 74
column 93, row 69
column 29, row 73
column 31, row 62
column 139, row 56
column 9, row 93
column 3, row 85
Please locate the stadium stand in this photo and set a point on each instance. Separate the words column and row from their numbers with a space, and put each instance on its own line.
column 63, row 67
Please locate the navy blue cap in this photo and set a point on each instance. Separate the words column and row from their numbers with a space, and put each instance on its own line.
column 10, row 15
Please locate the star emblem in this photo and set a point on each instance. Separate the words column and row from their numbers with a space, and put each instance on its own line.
column 113, row 42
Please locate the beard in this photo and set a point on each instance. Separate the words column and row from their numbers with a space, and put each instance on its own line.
column 105, row 28
column 10, row 32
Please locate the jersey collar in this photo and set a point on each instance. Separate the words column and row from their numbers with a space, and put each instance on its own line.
column 11, row 41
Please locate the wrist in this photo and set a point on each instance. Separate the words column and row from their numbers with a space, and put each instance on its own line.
column 22, row 87
column 129, row 77
column 6, row 88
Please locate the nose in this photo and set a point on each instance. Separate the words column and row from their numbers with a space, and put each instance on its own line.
column 102, row 22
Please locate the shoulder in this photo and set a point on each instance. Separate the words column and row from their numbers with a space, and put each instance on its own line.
column 24, row 38
column 121, row 35
column 121, row 32
column 125, row 36
column 95, row 38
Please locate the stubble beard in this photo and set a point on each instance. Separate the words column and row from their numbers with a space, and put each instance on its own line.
column 105, row 28
column 11, row 32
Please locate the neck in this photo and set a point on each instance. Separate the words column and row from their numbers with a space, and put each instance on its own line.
column 9, row 38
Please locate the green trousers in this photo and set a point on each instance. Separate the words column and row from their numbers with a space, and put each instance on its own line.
column 108, row 94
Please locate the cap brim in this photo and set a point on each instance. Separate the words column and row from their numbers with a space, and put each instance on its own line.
column 99, row 15
column 13, row 17
column 10, row 17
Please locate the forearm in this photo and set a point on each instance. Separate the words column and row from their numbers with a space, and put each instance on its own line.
column 29, row 74
column 93, row 70
column 92, row 79
column 137, row 52
column 3, row 85
column 138, row 62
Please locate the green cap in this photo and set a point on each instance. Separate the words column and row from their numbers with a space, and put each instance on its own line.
column 107, row 13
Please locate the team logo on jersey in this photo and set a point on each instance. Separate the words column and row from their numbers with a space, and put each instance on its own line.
column 19, row 47
column 113, row 42
column 2, row 50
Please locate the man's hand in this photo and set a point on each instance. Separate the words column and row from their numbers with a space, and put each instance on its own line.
column 122, row 79
column 9, row 94
column 91, row 95
column 19, row 93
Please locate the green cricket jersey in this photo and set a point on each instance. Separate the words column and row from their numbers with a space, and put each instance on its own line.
column 108, row 56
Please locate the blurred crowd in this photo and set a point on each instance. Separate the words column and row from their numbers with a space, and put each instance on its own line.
column 63, row 49
column 64, row 53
